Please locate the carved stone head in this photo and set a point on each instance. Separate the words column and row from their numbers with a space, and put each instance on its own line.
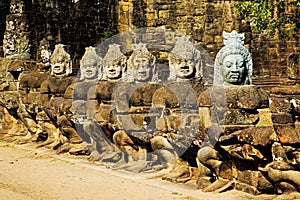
column 90, row 65
column 114, row 63
column 233, row 64
column 60, row 61
column 43, row 55
column 141, row 64
column 184, row 60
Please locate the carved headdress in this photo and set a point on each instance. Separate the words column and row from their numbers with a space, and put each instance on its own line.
column 58, row 54
column 91, row 55
column 234, row 44
column 185, row 49
column 114, row 54
column 43, row 55
column 141, row 51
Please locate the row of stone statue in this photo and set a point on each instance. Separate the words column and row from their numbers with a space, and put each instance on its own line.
column 120, row 113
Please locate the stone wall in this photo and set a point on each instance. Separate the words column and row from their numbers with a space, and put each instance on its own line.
column 205, row 20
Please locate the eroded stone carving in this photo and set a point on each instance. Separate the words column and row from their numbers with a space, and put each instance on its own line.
column 16, row 37
column 101, row 124
column 52, row 91
column 77, row 94
column 114, row 63
column 133, row 103
column 177, row 124
column 43, row 55
column 246, row 154
column 233, row 64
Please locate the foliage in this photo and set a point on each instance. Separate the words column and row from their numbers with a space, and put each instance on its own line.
column 107, row 34
column 270, row 17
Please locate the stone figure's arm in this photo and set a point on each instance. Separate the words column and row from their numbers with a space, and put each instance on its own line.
column 121, row 101
column 45, row 91
column 93, row 103
column 69, row 91
column 205, row 104
column 159, row 106
column 205, row 117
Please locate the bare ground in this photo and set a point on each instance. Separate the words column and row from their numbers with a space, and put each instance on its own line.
column 30, row 173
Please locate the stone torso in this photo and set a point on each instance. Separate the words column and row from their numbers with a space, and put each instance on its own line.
column 56, row 86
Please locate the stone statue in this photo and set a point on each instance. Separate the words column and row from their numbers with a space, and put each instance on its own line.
column 43, row 55
column 52, row 91
column 90, row 65
column 239, row 133
column 29, row 89
column 101, row 124
column 185, row 61
column 178, row 121
column 233, row 64
column 133, row 103
column 76, row 100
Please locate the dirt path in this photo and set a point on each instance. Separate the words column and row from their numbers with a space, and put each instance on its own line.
column 30, row 173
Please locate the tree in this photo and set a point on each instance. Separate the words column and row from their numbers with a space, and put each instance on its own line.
column 270, row 17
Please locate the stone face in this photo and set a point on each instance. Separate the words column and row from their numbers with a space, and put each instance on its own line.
column 233, row 63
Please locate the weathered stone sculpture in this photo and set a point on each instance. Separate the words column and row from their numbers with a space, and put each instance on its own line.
column 284, row 107
column 29, row 87
column 133, row 102
column 12, row 126
column 43, row 55
column 243, row 142
column 293, row 67
column 52, row 90
column 101, row 123
column 233, row 64
column 178, row 122
column 16, row 37
column 77, row 94
column 90, row 73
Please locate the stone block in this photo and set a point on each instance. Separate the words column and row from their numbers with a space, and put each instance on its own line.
column 293, row 66
column 228, row 129
column 240, row 117
column 218, row 39
column 243, row 97
column 282, row 118
column 151, row 16
column 208, row 38
column 265, row 118
column 287, row 134
column 280, row 104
